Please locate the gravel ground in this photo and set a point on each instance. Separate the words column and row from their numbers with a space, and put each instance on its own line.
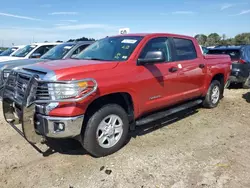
column 206, row 148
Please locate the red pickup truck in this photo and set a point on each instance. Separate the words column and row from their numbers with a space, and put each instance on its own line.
column 114, row 85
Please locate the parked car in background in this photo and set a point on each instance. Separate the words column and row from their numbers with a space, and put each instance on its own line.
column 35, row 50
column 210, row 47
column 61, row 51
column 112, row 86
column 203, row 49
column 12, row 50
column 240, row 57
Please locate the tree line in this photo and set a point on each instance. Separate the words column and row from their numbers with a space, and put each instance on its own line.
column 215, row 39
column 81, row 39
column 212, row 39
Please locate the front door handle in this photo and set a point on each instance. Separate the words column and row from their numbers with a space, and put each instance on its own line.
column 201, row 66
column 172, row 69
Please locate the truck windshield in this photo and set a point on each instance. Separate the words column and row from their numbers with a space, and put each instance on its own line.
column 8, row 51
column 24, row 51
column 58, row 52
column 234, row 54
column 111, row 48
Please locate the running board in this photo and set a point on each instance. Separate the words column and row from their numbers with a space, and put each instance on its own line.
column 163, row 114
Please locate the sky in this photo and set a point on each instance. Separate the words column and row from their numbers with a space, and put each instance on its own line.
column 27, row 21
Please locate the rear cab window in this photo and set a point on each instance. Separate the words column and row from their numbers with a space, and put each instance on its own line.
column 184, row 49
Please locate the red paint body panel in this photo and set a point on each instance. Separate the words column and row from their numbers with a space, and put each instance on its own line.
column 142, row 82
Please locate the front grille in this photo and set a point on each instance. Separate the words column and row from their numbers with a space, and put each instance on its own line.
column 42, row 92
column 17, row 85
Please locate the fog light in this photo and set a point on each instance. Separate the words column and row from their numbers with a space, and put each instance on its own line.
column 59, row 126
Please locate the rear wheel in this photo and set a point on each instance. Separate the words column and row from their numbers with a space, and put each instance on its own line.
column 213, row 95
column 106, row 130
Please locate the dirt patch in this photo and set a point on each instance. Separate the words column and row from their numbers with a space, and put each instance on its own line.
column 202, row 148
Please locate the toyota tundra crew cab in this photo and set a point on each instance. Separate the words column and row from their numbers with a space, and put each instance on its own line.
column 114, row 85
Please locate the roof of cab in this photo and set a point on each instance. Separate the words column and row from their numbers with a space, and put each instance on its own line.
column 154, row 34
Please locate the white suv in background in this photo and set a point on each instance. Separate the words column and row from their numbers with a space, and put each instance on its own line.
column 35, row 50
column 10, row 51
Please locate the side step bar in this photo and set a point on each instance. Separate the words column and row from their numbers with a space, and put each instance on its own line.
column 163, row 114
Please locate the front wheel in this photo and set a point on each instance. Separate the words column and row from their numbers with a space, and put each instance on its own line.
column 106, row 130
column 213, row 95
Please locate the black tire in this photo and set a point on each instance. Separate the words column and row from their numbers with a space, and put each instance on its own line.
column 89, row 138
column 208, row 102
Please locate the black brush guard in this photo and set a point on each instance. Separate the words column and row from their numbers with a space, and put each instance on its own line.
column 22, row 112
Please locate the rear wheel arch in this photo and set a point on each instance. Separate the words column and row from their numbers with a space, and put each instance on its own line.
column 219, row 77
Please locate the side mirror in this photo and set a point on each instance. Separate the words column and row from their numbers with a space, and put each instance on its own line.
column 152, row 57
column 36, row 55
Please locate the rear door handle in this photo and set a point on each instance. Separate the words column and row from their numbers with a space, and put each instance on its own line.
column 201, row 66
column 173, row 69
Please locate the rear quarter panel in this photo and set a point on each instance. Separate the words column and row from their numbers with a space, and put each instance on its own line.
column 217, row 64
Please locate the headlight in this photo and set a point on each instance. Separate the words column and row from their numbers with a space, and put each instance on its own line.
column 75, row 89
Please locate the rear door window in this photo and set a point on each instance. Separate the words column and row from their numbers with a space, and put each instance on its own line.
column 184, row 49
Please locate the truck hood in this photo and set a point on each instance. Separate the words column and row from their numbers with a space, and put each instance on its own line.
column 61, row 65
column 68, row 67
column 8, row 58
column 20, row 62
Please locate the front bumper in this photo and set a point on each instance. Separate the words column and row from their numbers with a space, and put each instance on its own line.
column 50, row 126
column 21, row 106
column 36, row 127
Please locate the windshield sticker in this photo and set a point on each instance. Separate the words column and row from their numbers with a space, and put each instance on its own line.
column 124, row 57
column 126, row 47
column 129, row 41
column 117, row 56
